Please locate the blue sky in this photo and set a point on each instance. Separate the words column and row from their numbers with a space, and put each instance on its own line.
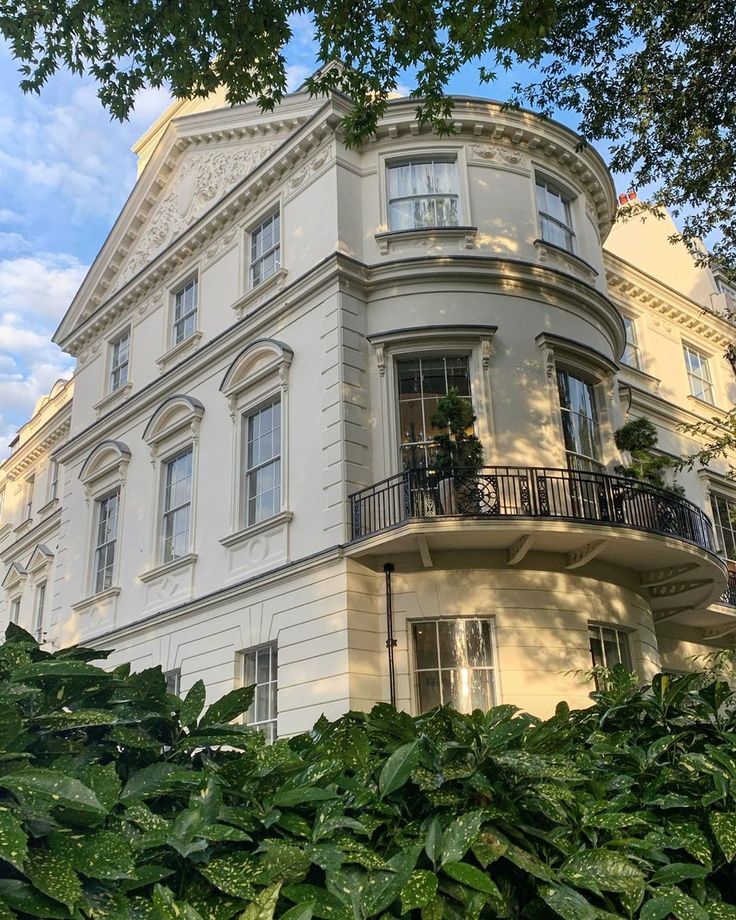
column 65, row 171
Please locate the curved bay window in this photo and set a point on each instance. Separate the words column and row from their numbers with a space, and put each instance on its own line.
column 454, row 663
column 421, row 383
column 580, row 424
column 555, row 214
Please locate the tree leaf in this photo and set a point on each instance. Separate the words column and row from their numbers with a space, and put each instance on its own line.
column 227, row 708
column 471, row 877
column 52, row 874
column 104, row 782
column 192, row 704
column 264, row 906
column 674, row 873
column 723, row 825
column 99, row 855
column 55, row 788
column 303, row 911
column 603, row 870
column 418, row 891
column 397, row 769
column 13, row 839
column 288, row 798
column 459, row 835
column 672, row 901
column 157, row 779
column 234, row 874
column 26, row 899
column 568, row 903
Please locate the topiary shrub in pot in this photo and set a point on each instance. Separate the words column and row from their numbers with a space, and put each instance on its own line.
column 639, row 439
column 458, row 455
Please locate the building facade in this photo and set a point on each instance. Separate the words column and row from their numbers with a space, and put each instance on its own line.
column 260, row 346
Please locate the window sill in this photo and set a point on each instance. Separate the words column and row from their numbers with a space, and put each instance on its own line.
column 24, row 526
column 549, row 252
column 702, row 405
column 48, row 508
column 234, row 539
column 167, row 567
column 641, row 375
column 177, row 351
column 112, row 399
column 271, row 285
column 107, row 594
column 389, row 238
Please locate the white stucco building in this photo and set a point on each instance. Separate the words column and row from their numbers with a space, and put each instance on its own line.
column 260, row 344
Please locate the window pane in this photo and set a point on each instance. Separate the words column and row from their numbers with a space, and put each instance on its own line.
column 428, row 685
column 425, row 645
column 260, row 668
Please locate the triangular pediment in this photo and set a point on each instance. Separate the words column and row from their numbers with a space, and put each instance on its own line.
column 198, row 159
column 40, row 557
column 15, row 574
column 201, row 178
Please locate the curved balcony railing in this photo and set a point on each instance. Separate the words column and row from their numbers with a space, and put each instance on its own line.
column 729, row 595
column 528, row 492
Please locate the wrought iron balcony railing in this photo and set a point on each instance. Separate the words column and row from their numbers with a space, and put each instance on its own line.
column 729, row 595
column 528, row 492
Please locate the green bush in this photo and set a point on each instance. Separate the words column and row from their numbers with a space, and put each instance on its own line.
column 118, row 800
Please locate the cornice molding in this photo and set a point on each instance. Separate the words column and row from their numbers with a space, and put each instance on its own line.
column 627, row 283
column 27, row 454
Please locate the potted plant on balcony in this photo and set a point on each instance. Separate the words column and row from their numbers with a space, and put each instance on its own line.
column 457, row 456
column 639, row 439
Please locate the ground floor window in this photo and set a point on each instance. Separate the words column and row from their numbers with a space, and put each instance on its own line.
column 454, row 663
column 173, row 681
column 260, row 667
column 609, row 646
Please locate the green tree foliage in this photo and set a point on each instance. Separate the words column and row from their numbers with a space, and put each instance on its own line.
column 456, row 447
column 639, row 438
column 119, row 801
column 654, row 80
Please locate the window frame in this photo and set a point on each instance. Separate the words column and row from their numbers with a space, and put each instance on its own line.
column 173, row 674
column 39, row 608
column 620, row 631
column 256, row 227
column 413, row 658
column 273, row 720
column 14, row 610
column 30, row 488
column 115, row 367
column 396, row 161
column 630, row 323
column 421, row 355
column 97, row 546
column 717, row 524
column 586, row 463
column 246, row 417
column 552, row 185
column 705, row 360
column 169, row 458
column 180, row 288
column 53, row 490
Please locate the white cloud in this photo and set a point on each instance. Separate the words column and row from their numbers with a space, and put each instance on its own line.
column 43, row 283
column 13, row 242
column 10, row 217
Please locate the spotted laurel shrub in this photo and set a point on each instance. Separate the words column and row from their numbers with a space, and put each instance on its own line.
column 119, row 801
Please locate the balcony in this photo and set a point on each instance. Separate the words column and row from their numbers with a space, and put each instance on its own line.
column 728, row 598
column 514, row 513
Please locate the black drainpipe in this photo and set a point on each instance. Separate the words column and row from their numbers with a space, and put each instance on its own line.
column 390, row 640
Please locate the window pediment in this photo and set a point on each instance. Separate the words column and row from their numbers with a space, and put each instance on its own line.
column 108, row 457
column 174, row 414
column 257, row 360
column 576, row 356
column 41, row 558
column 16, row 575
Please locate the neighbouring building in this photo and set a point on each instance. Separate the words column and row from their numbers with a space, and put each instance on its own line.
column 260, row 345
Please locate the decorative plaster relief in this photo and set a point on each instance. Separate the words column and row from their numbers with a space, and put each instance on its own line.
column 263, row 550
column 499, row 154
column 169, row 587
column 97, row 614
column 202, row 179
column 300, row 176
